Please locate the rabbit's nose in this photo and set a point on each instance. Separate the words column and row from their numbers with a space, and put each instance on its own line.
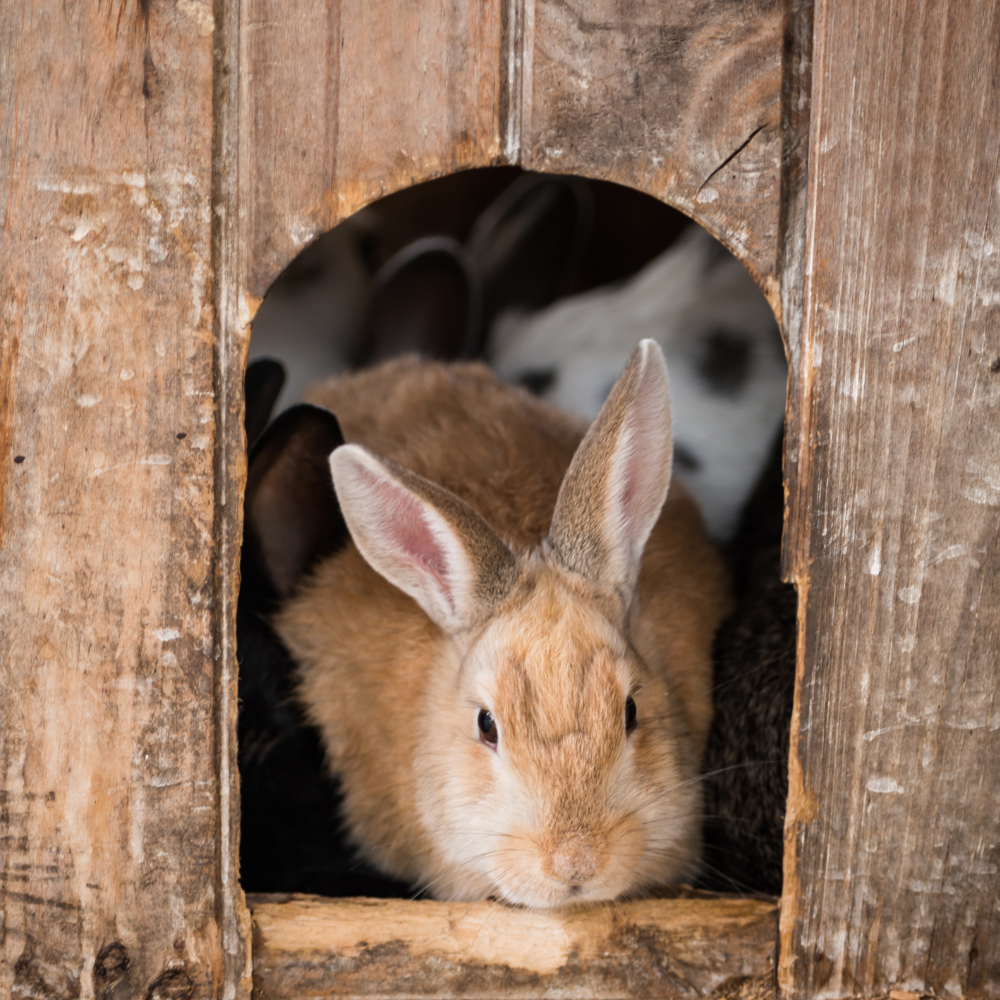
column 574, row 859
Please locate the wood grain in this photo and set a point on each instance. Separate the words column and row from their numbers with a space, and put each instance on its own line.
column 308, row 947
column 150, row 196
column 344, row 103
column 893, row 837
column 149, row 201
column 110, row 878
column 796, row 87
column 680, row 100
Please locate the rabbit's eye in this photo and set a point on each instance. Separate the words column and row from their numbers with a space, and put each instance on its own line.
column 487, row 728
column 629, row 714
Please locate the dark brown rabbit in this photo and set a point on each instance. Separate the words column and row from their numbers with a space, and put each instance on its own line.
column 746, row 760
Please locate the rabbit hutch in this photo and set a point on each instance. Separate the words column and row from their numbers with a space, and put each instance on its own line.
column 161, row 163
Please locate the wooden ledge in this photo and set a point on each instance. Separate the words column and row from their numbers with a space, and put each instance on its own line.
column 307, row 946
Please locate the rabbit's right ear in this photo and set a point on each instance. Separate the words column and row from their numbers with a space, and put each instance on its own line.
column 291, row 515
column 422, row 538
column 616, row 485
column 424, row 300
column 529, row 242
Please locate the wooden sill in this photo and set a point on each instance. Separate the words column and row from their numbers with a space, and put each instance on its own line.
column 307, row 946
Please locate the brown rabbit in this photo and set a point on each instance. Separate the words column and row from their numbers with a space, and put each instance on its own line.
column 514, row 705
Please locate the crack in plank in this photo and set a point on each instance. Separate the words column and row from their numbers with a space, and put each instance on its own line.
column 732, row 156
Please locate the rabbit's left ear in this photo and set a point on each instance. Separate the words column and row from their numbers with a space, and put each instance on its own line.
column 262, row 385
column 422, row 538
column 530, row 241
column 291, row 516
column 615, row 487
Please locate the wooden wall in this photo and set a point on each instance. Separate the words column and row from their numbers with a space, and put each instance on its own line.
column 893, row 836
column 162, row 160
column 114, row 761
column 680, row 100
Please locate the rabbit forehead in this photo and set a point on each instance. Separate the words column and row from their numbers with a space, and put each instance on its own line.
column 553, row 668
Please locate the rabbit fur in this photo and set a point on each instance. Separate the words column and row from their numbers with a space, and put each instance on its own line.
column 720, row 339
column 330, row 310
column 522, row 592
column 291, row 836
column 746, row 758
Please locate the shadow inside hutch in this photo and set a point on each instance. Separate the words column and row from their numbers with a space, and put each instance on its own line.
column 551, row 281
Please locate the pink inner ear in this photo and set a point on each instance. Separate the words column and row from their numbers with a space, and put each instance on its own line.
column 638, row 471
column 406, row 530
column 641, row 474
column 631, row 479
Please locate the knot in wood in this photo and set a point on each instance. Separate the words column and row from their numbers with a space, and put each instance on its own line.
column 171, row 984
column 112, row 963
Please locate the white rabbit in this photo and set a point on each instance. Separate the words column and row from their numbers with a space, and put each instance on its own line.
column 723, row 351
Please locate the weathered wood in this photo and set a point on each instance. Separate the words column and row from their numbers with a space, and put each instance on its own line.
column 231, row 341
column 308, row 947
column 795, row 109
column 343, row 104
column 893, row 837
column 133, row 174
column 111, row 836
column 131, row 177
column 681, row 100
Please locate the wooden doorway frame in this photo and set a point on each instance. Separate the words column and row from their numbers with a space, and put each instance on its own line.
column 161, row 162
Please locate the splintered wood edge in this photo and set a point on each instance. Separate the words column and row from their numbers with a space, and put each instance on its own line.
column 306, row 946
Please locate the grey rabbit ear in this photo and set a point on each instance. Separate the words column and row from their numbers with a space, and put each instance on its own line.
column 424, row 300
column 617, row 482
column 262, row 385
column 529, row 242
column 291, row 515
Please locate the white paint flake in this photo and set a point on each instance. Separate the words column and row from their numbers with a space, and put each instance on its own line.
column 882, row 786
column 200, row 13
column 875, row 560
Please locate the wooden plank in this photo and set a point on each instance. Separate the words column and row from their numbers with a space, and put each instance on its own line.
column 795, row 114
column 308, row 947
column 893, row 837
column 681, row 100
column 343, row 103
column 231, row 341
column 111, row 882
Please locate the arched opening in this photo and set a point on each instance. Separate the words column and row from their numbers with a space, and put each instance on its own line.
column 551, row 281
